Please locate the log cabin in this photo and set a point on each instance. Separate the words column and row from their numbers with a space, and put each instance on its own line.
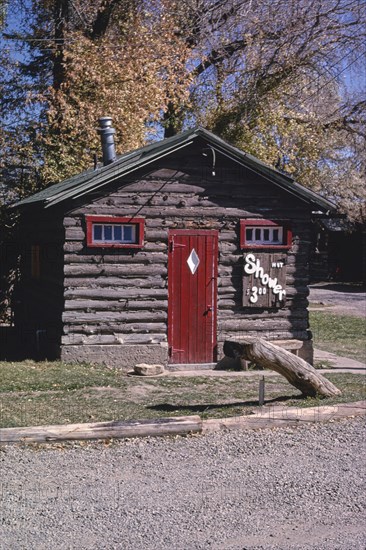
column 163, row 253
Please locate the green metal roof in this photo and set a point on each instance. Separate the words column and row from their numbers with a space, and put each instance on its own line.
column 91, row 180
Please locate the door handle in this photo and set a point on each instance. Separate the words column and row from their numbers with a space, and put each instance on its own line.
column 209, row 309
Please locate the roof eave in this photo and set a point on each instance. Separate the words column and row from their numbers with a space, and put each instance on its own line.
column 130, row 162
column 286, row 182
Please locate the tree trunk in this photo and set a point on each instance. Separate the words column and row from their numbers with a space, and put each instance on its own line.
column 61, row 18
column 172, row 120
column 297, row 371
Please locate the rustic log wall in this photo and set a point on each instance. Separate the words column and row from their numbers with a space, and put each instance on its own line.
column 120, row 297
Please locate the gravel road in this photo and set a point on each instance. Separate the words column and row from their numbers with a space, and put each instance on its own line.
column 298, row 488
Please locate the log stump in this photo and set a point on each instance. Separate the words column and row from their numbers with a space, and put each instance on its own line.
column 297, row 371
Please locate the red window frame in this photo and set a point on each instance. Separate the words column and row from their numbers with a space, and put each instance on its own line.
column 286, row 235
column 139, row 223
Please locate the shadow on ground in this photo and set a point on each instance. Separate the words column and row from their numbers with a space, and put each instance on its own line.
column 167, row 407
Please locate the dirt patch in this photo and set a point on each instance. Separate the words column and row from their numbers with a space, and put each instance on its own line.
column 339, row 299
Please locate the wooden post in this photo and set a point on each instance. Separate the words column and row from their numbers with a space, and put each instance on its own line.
column 297, row 371
column 261, row 392
column 244, row 364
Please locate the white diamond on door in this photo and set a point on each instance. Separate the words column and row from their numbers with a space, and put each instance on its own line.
column 193, row 261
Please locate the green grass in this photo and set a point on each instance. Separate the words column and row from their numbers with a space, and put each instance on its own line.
column 36, row 393
column 56, row 393
column 340, row 334
column 41, row 376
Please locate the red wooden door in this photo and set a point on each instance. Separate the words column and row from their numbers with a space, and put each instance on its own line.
column 192, row 281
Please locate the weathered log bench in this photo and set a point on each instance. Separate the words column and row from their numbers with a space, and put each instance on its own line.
column 297, row 371
column 290, row 345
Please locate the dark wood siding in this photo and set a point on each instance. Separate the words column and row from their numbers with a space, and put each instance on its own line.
column 38, row 294
column 121, row 297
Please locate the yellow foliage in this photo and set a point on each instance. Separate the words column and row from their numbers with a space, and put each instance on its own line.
column 131, row 74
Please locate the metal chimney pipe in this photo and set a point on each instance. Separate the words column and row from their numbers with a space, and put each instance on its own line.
column 106, row 133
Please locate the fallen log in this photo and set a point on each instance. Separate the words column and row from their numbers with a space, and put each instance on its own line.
column 297, row 371
column 178, row 425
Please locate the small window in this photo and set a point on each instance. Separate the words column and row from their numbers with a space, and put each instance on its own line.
column 106, row 231
column 36, row 262
column 265, row 234
column 114, row 234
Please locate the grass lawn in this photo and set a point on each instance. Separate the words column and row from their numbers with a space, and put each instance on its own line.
column 340, row 334
column 36, row 393
column 56, row 393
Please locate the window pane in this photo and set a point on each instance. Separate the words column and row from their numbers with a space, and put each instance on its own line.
column 266, row 234
column 117, row 233
column 249, row 234
column 128, row 233
column 36, row 261
column 107, row 232
column 257, row 234
column 275, row 237
column 97, row 232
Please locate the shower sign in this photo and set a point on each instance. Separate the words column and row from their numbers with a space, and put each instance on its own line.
column 264, row 280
